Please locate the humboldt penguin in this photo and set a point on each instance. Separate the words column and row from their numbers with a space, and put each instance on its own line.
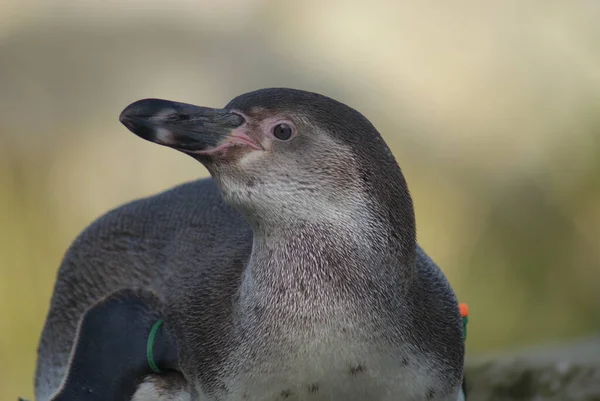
column 293, row 273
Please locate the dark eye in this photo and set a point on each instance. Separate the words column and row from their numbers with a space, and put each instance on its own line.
column 282, row 131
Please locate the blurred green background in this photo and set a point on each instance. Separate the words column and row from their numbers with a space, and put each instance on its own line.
column 491, row 108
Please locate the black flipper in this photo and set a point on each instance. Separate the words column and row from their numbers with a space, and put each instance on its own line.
column 109, row 357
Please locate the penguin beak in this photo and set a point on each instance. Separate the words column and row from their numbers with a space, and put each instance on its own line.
column 185, row 127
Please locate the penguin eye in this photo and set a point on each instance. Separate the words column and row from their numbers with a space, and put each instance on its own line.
column 282, row 131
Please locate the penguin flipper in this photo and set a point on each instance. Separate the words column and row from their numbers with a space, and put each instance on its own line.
column 120, row 340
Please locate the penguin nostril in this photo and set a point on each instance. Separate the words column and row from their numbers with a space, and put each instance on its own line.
column 165, row 113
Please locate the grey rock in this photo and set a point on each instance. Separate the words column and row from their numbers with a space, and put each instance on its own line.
column 569, row 372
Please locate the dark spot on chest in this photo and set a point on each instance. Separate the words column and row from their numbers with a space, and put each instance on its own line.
column 430, row 394
column 404, row 361
column 355, row 370
column 281, row 290
column 253, row 181
column 313, row 388
column 286, row 393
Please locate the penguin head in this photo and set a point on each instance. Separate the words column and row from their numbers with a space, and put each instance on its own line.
column 284, row 155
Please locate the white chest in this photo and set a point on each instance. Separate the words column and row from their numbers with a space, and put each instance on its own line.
column 333, row 371
column 384, row 380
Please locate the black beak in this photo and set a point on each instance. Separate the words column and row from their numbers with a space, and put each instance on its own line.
column 185, row 127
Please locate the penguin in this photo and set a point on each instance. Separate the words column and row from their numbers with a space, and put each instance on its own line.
column 291, row 273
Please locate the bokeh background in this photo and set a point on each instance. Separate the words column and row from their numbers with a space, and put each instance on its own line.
column 491, row 108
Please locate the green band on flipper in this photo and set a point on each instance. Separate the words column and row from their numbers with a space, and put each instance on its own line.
column 150, row 346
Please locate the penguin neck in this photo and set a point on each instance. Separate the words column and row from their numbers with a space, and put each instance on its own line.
column 299, row 261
